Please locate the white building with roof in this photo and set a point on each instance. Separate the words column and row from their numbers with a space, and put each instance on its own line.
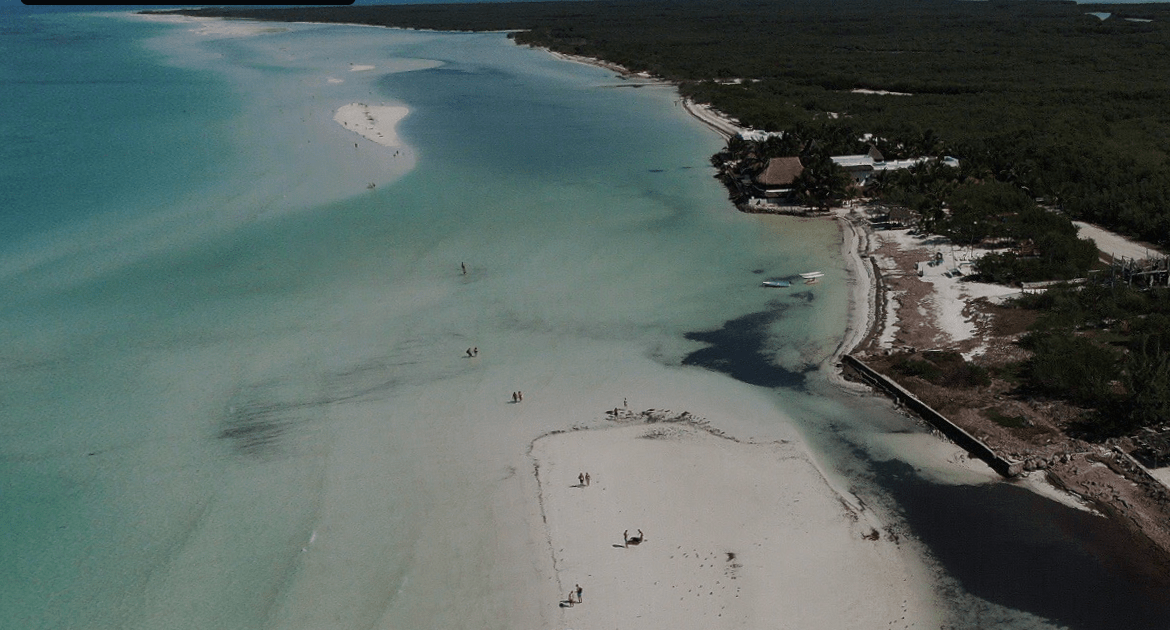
column 755, row 135
column 862, row 167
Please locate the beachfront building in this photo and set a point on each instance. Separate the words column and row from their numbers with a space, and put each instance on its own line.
column 862, row 167
column 759, row 183
column 777, row 179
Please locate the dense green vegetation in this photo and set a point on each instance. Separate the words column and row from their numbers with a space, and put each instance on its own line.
column 1043, row 245
column 945, row 368
column 1042, row 95
column 1106, row 348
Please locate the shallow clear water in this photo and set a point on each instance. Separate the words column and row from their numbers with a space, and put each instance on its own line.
column 235, row 389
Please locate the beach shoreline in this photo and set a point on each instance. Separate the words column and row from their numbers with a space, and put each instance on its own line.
column 876, row 320
column 864, row 291
column 856, row 247
column 681, row 526
column 887, row 274
column 915, row 307
column 398, row 487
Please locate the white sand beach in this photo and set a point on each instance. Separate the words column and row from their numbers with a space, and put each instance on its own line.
column 855, row 251
column 721, row 124
column 376, row 123
column 737, row 535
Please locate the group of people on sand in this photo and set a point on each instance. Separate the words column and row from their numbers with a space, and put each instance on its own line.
column 473, row 352
column 517, row 396
column 583, row 479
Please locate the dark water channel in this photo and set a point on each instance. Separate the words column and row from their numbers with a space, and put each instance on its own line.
column 1000, row 542
column 1010, row 546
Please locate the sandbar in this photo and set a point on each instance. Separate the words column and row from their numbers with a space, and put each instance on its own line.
column 737, row 535
column 377, row 123
column 215, row 27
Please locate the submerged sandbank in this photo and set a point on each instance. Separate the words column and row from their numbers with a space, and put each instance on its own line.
column 736, row 535
column 214, row 27
column 377, row 123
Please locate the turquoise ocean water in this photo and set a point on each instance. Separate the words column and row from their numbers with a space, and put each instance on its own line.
column 233, row 386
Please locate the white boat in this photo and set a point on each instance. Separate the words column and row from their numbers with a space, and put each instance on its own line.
column 812, row 275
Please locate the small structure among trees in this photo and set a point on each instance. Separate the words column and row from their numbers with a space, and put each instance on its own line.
column 777, row 179
column 764, row 170
column 1150, row 272
column 863, row 167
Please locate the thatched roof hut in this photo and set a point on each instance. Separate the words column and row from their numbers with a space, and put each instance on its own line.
column 781, row 171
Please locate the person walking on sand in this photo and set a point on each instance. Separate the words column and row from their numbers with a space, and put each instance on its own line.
column 579, row 591
column 586, row 478
column 513, row 396
column 581, row 479
column 464, row 267
column 626, row 539
column 469, row 352
column 571, row 602
column 475, row 351
column 520, row 395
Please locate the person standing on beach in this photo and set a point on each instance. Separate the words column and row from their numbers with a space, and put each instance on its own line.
column 579, row 590
column 581, row 478
column 464, row 266
column 586, row 478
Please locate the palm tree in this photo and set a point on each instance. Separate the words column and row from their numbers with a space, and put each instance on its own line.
column 822, row 182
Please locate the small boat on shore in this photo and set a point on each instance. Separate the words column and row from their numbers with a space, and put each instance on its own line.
column 812, row 275
column 777, row 284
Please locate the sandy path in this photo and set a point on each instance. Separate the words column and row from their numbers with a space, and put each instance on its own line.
column 1115, row 245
